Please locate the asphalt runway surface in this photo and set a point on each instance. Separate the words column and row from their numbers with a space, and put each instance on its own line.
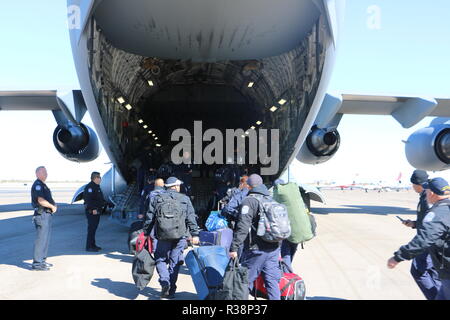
column 357, row 233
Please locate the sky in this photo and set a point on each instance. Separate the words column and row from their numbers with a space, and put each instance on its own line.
column 401, row 49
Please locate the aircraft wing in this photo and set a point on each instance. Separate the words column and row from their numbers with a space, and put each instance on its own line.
column 70, row 103
column 28, row 100
column 408, row 111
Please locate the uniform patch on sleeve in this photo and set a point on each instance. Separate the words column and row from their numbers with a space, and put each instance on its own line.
column 245, row 209
column 90, row 190
column 38, row 188
column 429, row 217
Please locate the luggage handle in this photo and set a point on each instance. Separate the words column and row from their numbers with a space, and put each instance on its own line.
column 291, row 281
column 152, row 253
column 234, row 263
column 204, row 243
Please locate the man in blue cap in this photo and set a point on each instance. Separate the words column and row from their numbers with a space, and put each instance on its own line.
column 422, row 269
column 173, row 216
column 258, row 255
column 433, row 235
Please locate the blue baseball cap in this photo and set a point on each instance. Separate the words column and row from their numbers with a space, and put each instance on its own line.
column 438, row 186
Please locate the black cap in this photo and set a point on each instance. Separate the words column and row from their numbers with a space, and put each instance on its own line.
column 419, row 177
column 438, row 186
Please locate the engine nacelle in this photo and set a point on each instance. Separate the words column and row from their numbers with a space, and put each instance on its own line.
column 77, row 143
column 320, row 146
column 429, row 148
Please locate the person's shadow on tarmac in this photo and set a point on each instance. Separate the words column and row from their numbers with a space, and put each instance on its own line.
column 130, row 291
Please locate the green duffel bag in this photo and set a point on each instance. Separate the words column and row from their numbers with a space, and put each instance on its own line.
column 289, row 195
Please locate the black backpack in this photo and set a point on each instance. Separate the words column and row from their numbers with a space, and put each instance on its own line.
column 170, row 217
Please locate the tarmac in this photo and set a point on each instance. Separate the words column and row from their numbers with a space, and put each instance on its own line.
column 357, row 232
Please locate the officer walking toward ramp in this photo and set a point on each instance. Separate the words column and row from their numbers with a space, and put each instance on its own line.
column 143, row 203
column 44, row 207
column 259, row 256
column 422, row 269
column 94, row 203
column 173, row 216
column 433, row 235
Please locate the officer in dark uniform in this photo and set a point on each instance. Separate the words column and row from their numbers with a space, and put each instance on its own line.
column 169, row 253
column 183, row 171
column 258, row 255
column 433, row 235
column 422, row 269
column 94, row 203
column 149, row 187
column 44, row 207
column 223, row 178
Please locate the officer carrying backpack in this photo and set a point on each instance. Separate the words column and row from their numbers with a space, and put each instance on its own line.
column 170, row 217
column 274, row 224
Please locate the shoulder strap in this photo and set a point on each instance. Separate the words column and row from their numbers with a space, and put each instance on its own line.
column 288, row 284
column 257, row 196
column 445, row 203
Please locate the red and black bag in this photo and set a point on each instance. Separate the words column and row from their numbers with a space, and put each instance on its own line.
column 292, row 286
column 143, row 240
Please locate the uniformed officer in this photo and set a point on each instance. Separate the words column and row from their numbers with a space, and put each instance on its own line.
column 258, row 255
column 44, row 207
column 236, row 195
column 422, row 269
column 433, row 235
column 143, row 203
column 183, row 172
column 93, row 203
column 169, row 253
column 159, row 188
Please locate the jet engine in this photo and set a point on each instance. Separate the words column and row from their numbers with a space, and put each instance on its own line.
column 77, row 143
column 429, row 148
column 320, row 146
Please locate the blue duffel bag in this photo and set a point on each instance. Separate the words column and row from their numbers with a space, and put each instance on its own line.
column 207, row 267
column 216, row 221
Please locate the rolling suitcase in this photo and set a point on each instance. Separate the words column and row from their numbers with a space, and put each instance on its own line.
column 207, row 267
column 222, row 237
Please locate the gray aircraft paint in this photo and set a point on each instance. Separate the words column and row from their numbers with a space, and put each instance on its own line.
column 208, row 49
